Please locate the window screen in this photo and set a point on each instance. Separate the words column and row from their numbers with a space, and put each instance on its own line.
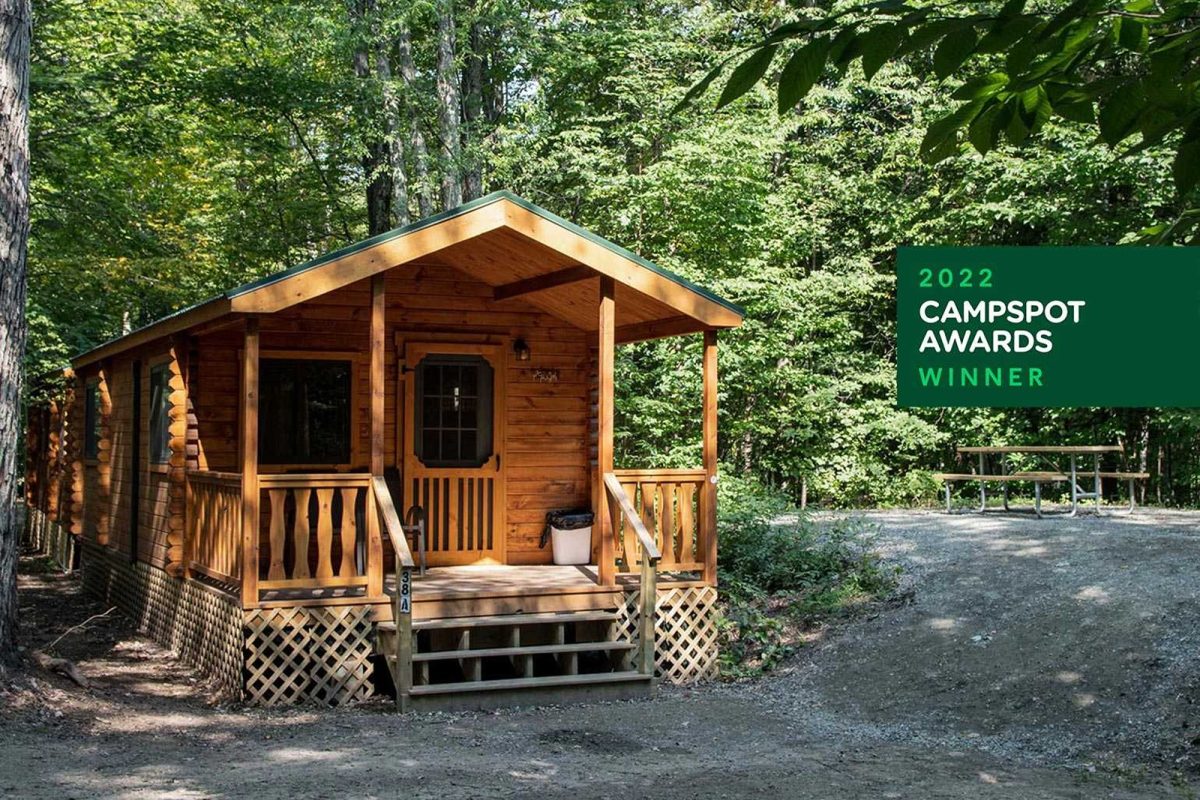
column 304, row 412
column 91, row 421
column 454, row 411
column 160, row 414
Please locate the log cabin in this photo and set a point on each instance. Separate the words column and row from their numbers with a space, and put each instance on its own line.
column 334, row 481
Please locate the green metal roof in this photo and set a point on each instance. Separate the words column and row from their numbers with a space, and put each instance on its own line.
column 465, row 208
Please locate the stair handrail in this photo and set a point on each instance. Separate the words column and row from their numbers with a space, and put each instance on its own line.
column 648, row 582
column 389, row 520
column 617, row 492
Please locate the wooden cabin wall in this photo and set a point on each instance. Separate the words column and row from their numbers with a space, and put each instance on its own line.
column 54, row 468
column 546, row 458
column 105, row 507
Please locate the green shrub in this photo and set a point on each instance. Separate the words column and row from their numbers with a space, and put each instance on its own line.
column 781, row 573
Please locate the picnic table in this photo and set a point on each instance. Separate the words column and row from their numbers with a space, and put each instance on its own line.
column 1072, row 477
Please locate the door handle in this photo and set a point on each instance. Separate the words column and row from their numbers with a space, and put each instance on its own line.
column 497, row 462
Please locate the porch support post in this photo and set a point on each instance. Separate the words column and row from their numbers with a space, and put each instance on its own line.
column 378, row 344
column 249, row 436
column 708, row 495
column 606, row 359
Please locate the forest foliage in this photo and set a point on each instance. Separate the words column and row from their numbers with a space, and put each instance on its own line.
column 184, row 146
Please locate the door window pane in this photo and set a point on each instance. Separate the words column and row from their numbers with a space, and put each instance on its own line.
column 454, row 411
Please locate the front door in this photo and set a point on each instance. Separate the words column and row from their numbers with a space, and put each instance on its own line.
column 453, row 448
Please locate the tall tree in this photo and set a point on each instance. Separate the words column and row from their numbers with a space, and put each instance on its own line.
column 372, row 68
column 420, row 152
column 15, row 22
column 449, row 105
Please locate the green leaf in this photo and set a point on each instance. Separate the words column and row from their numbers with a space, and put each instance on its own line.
column 1119, row 112
column 747, row 74
column 1016, row 131
column 940, row 136
column 981, row 86
column 791, row 29
column 1186, row 168
column 983, row 131
column 844, row 48
column 1133, row 34
column 952, row 52
column 1005, row 33
column 700, row 88
column 801, row 73
column 1077, row 111
column 878, row 45
column 1035, row 108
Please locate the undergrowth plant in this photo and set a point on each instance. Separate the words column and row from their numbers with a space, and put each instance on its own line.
column 782, row 573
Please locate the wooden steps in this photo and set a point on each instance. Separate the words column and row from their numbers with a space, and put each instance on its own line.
column 515, row 659
column 502, row 620
column 537, row 649
column 530, row 683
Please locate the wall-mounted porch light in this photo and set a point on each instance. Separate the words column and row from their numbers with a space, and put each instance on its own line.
column 521, row 349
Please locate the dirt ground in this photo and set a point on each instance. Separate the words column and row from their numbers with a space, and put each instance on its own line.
column 1030, row 659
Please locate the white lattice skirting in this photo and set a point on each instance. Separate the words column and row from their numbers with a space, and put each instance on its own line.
column 47, row 537
column 202, row 625
column 685, row 632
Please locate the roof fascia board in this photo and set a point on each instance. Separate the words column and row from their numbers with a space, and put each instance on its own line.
column 406, row 244
column 184, row 318
column 607, row 259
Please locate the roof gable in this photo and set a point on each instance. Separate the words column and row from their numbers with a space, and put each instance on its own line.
column 669, row 303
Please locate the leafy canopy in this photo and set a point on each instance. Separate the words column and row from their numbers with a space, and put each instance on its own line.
column 1129, row 70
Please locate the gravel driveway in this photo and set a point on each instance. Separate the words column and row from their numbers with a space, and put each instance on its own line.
column 1035, row 659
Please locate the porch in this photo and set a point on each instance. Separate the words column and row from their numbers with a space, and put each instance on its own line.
column 323, row 557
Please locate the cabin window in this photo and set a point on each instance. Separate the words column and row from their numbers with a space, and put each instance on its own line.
column 160, row 413
column 453, row 411
column 91, row 421
column 304, row 412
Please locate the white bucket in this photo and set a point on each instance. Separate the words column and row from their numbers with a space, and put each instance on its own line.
column 571, row 547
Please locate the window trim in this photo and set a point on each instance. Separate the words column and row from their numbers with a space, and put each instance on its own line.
column 89, row 386
column 357, row 359
column 158, row 365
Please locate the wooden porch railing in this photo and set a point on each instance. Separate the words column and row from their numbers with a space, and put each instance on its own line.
column 620, row 507
column 214, row 525
column 667, row 502
column 313, row 523
column 389, row 521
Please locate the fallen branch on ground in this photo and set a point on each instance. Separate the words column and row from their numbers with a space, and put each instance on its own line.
column 60, row 665
column 81, row 625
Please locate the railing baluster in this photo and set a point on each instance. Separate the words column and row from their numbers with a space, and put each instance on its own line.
column 278, row 533
column 349, row 530
column 687, row 522
column 666, row 521
column 301, row 535
column 325, row 533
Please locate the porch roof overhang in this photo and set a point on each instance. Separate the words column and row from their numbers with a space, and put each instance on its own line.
column 523, row 251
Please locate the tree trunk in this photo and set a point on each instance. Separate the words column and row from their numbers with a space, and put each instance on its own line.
column 449, row 106
column 420, row 154
column 14, row 234
column 397, row 180
column 472, row 110
column 364, row 19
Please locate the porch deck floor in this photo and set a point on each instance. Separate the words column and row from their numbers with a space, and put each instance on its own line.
column 479, row 581
column 497, row 579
